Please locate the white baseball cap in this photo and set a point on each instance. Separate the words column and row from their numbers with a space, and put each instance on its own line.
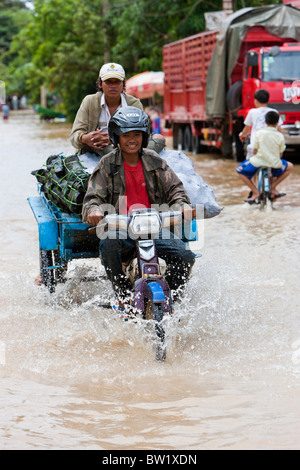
column 112, row 70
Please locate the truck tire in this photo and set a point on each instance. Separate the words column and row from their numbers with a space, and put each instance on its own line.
column 196, row 144
column 234, row 97
column 226, row 143
column 178, row 137
column 239, row 148
column 175, row 141
column 198, row 148
column 187, row 139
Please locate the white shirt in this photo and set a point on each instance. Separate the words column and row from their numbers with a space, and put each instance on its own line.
column 105, row 114
column 256, row 120
column 270, row 144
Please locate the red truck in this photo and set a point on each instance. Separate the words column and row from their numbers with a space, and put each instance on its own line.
column 209, row 87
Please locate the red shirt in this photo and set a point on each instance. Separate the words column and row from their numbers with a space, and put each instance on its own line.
column 136, row 191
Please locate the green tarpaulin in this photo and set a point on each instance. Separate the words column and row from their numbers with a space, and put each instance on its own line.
column 280, row 20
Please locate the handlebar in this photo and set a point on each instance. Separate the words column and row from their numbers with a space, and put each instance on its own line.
column 119, row 221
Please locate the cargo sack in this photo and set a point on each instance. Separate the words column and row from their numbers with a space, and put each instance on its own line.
column 64, row 182
column 196, row 188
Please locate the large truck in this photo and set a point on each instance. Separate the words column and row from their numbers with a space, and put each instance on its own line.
column 210, row 79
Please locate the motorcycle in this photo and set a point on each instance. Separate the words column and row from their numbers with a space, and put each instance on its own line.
column 151, row 295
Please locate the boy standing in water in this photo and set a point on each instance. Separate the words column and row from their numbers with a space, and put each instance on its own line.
column 268, row 147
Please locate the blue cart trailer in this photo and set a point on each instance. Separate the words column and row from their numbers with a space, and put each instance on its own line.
column 62, row 237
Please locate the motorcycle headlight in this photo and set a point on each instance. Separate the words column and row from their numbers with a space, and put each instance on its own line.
column 145, row 224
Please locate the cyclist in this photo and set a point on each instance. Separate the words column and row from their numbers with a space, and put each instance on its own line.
column 268, row 147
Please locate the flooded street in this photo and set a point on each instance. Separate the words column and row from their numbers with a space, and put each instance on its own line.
column 74, row 376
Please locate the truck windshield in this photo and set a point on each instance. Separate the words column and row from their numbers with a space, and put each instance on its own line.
column 284, row 66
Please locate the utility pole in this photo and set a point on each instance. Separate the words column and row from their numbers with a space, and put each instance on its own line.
column 228, row 6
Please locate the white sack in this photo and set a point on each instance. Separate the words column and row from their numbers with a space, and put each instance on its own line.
column 198, row 191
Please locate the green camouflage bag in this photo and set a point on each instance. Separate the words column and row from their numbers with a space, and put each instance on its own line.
column 64, row 182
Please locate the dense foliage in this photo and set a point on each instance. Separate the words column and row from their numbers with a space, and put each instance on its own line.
column 61, row 44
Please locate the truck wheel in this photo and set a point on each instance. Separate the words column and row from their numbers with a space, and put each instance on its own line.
column 234, row 97
column 177, row 137
column 197, row 146
column 187, row 139
column 180, row 138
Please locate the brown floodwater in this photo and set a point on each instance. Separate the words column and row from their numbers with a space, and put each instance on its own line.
column 75, row 376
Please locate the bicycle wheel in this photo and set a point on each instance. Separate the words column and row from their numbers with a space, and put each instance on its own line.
column 156, row 312
column 262, row 192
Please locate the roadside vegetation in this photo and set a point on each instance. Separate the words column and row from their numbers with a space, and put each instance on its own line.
column 61, row 44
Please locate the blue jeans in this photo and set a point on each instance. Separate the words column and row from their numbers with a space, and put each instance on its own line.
column 174, row 251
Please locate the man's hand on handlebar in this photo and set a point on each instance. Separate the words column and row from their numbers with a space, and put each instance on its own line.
column 94, row 218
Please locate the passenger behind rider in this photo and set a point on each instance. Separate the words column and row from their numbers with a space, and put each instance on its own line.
column 89, row 132
column 268, row 147
column 133, row 175
column 255, row 119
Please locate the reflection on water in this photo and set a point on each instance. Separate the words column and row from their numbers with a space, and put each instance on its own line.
column 74, row 375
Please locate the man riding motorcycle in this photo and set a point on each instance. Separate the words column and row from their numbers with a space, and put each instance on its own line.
column 132, row 176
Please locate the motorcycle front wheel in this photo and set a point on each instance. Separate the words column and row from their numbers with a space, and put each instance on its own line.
column 155, row 312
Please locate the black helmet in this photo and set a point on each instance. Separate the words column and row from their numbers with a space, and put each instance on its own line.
column 128, row 119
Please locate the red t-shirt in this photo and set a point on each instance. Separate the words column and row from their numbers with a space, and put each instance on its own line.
column 136, row 191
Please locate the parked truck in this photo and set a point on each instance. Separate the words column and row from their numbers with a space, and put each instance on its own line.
column 210, row 79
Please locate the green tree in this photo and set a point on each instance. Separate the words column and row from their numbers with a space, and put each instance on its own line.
column 61, row 48
column 64, row 43
column 13, row 17
column 144, row 26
